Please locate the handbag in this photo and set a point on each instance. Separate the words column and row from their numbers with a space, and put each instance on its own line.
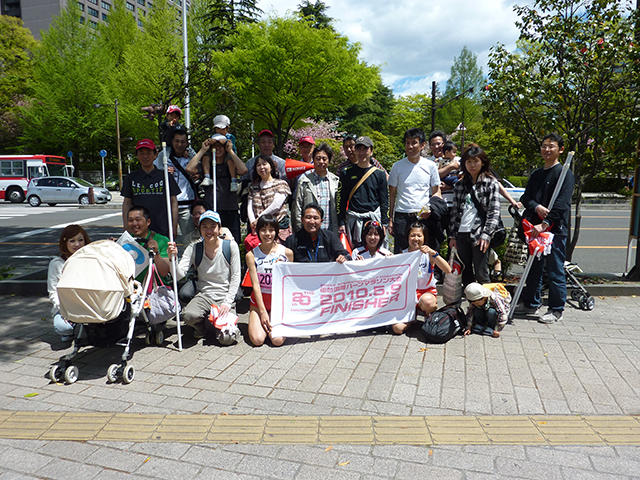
column 500, row 233
column 452, row 284
column 162, row 304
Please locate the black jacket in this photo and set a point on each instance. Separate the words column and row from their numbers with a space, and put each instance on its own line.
column 327, row 248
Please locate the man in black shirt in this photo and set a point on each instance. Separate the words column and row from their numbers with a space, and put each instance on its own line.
column 312, row 244
column 535, row 199
column 369, row 201
column 145, row 187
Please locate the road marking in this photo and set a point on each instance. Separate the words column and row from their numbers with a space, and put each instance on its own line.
column 339, row 429
column 604, row 228
column 604, row 246
column 18, row 236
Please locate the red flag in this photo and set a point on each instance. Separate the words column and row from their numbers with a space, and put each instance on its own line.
column 345, row 242
column 295, row 168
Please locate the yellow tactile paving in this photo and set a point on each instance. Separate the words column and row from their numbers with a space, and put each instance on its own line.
column 404, row 430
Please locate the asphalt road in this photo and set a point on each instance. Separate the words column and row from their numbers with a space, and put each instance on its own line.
column 29, row 235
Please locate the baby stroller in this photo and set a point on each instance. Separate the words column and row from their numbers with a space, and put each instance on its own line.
column 99, row 295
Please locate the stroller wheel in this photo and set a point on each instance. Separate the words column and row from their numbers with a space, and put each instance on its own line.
column 576, row 295
column 127, row 374
column 587, row 303
column 159, row 337
column 55, row 373
column 112, row 373
column 71, row 374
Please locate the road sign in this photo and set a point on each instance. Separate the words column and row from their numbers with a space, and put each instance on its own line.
column 103, row 153
column 69, row 153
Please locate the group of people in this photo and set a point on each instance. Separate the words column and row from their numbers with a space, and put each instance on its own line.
column 422, row 201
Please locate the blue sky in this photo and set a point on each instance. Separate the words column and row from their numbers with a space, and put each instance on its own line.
column 415, row 41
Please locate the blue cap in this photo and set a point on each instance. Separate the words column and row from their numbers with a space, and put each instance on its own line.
column 211, row 215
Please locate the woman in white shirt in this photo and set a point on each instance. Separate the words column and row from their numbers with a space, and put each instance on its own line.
column 372, row 240
column 72, row 239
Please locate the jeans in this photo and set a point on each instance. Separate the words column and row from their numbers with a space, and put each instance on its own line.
column 553, row 264
column 484, row 320
column 476, row 263
column 62, row 327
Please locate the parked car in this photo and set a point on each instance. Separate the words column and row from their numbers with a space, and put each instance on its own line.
column 54, row 190
column 515, row 192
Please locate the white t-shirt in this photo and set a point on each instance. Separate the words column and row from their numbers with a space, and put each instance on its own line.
column 469, row 214
column 364, row 253
column 426, row 279
column 413, row 182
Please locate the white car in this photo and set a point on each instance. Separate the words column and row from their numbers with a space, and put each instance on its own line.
column 515, row 192
column 54, row 190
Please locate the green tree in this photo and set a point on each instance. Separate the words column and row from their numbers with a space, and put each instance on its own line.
column 373, row 113
column 465, row 78
column 16, row 71
column 222, row 17
column 409, row 111
column 576, row 73
column 284, row 70
column 315, row 13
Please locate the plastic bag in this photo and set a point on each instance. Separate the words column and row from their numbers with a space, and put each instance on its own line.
column 452, row 284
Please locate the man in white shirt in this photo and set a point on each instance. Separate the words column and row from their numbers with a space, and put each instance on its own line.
column 412, row 181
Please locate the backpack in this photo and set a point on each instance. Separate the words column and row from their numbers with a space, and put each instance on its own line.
column 500, row 289
column 443, row 324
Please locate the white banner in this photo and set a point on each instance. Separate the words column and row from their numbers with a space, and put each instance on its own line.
column 323, row 298
column 139, row 254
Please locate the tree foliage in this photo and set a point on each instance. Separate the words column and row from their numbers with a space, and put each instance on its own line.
column 315, row 14
column 283, row 70
column 16, row 71
column 373, row 113
column 575, row 73
column 222, row 18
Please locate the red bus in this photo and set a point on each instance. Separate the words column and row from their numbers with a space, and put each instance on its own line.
column 17, row 170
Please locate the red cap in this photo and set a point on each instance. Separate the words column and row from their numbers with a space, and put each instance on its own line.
column 145, row 143
column 307, row 139
column 174, row 109
column 266, row 132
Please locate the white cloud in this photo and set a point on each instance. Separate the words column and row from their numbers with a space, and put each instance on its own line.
column 414, row 41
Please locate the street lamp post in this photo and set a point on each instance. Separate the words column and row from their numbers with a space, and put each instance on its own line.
column 115, row 105
column 435, row 107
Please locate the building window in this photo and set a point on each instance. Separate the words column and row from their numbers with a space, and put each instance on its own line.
column 93, row 24
column 81, row 6
column 105, row 17
column 131, row 7
column 139, row 23
column 93, row 2
column 105, row 5
column 92, row 11
column 141, row 2
column 81, row 19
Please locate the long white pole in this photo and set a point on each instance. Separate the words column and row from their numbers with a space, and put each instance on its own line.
column 167, row 196
column 185, row 49
column 213, row 171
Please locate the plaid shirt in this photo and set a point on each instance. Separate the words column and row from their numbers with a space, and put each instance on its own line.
column 324, row 199
column 488, row 195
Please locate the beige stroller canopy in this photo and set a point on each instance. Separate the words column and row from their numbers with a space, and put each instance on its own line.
column 95, row 282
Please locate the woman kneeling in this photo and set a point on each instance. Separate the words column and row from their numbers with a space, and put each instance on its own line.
column 260, row 262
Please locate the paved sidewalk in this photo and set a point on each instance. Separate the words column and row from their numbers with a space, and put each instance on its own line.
column 587, row 365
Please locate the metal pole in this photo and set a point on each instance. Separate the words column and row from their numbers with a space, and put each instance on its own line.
column 118, row 144
column 433, row 106
column 185, row 49
column 253, row 136
column 213, row 171
column 167, row 196
column 104, row 182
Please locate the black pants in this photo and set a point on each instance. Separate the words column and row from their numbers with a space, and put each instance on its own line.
column 476, row 265
column 484, row 320
column 231, row 220
column 401, row 223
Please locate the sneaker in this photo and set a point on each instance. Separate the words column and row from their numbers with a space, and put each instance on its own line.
column 206, row 182
column 551, row 316
column 522, row 309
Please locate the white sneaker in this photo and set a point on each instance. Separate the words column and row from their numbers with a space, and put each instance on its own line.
column 206, row 182
column 551, row 316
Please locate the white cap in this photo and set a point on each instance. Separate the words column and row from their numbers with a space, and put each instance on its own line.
column 221, row 121
column 474, row 291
